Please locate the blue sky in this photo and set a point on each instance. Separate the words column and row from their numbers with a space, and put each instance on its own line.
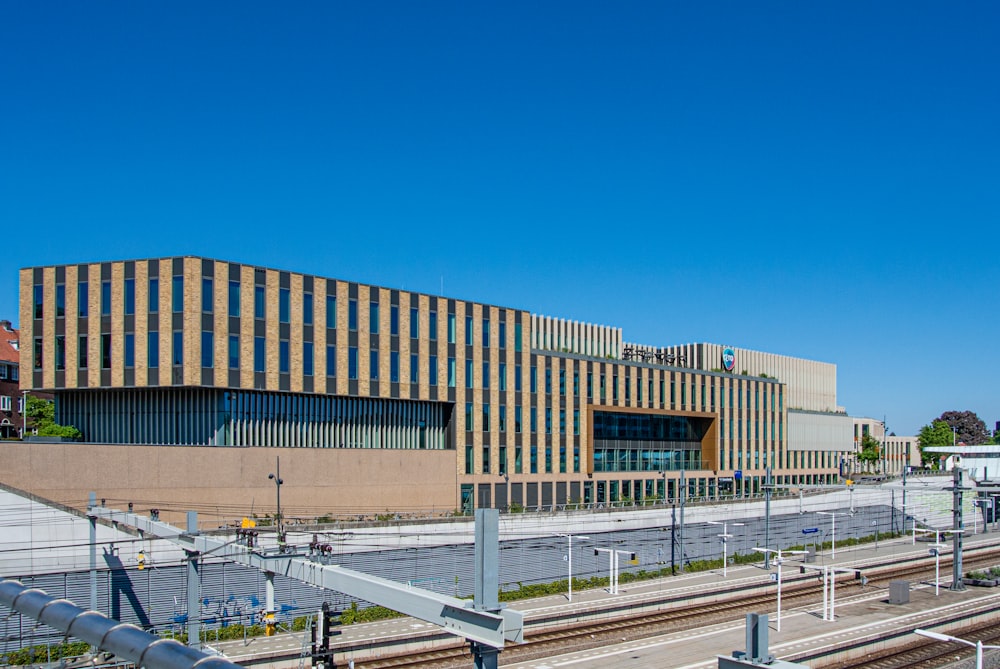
column 818, row 180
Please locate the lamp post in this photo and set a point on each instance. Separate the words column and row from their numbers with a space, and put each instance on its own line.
column 569, row 560
column 978, row 645
column 277, row 483
column 778, row 560
column 935, row 550
column 833, row 530
column 725, row 536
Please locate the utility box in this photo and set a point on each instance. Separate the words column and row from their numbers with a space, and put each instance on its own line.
column 810, row 553
column 899, row 592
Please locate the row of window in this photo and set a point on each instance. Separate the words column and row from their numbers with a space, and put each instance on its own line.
column 534, row 463
column 8, row 372
column 502, row 424
column 260, row 309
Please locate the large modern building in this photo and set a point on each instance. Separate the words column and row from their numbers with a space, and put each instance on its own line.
column 194, row 352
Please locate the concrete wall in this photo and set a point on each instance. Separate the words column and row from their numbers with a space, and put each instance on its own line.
column 225, row 484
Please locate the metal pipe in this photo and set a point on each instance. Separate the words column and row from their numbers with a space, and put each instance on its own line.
column 122, row 639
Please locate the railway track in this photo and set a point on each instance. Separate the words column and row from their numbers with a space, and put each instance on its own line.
column 676, row 616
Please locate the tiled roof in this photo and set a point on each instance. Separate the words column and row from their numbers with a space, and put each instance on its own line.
column 8, row 352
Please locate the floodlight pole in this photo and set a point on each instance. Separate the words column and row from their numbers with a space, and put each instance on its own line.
column 833, row 531
column 569, row 560
column 778, row 560
column 725, row 536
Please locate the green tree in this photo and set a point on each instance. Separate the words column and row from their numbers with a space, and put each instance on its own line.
column 869, row 454
column 42, row 415
column 938, row 433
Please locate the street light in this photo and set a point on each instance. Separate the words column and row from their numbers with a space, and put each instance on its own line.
column 833, row 530
column 277, row 482
column 569, row 559
column 978, row 645
column 725, row 539
column 778, row 561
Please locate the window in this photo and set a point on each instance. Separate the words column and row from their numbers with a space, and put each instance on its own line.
column 61, row 301
column 432, row 325
column 468, row 373
column 486, row 417
column 83, row 300
column 517, row 418
column 486, row 374
column 432, row 370
column 105, row 298
column 452, row 372
column 331, row 360
column 534, row 379
column 533, row 419
column 307, row 308
column 60, row 352
column 414, row 368
column 468, row 466
column 82, row 352
column 234, row 351
column 331, row 311
column 502, row 418
column 207, row 295
column 283, row 355
column 352, row 315
column 259, row 298
column 352, row 362
column 207, row 348
column 468, row 416
column 486, row 459
column 548, row 381
column 517, row 378
column 129, row 297
column 37, row 353
column 153, row 350
column 394, row 367
column 414, row 324
column 562, row 421
column 307, row 358
column 468, row 330
column 154, row 295
column 129, row 350
column 234, row 299
column 284, row 305
column 373, row 365
column 562, row 381
column 502, row 376
column 38, row 293
column 451, row 328
column 548, row 421
column 517, row 337
column 576, row 421
column 394, row 320
column 486, row 333
column 5, row 403
column 259, row 352
column 106, row 350
column 177, row 290
column 373, row 317
column 502, row 334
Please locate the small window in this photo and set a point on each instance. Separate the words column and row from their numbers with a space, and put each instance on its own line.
column 177, row 354
column 60, row 301
column 178, row 294
column 307, row 358
column 502, row 334
column 451, row 328
column 259, row 300
column 234, row 351
column 352, row 315
column 352, row 362
column 129, row 349
column 154, row 295
column 468, row 330
column 105, row 298
column 414, row 324
column 106, row 351
column 414, row 368
column 207, row 348
column 432, row 325
column 394, row 366
column 432, row 370
column 486, row 333
column 82, row 300
column 129, row 297
column 284, row 305
column 234, row 299
column 331, row 360
column 259, row 355
column 60, row 352
column 38, row 299
column 283, row 361
column 307, row 309
column 394, row 320
column 207, row 295
column 331, row 311
column 153, row 350
column 82, row 352
column 5, row 403
column 373, row 365
column 373, row 317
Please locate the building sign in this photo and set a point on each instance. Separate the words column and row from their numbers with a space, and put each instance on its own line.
column 728, row 359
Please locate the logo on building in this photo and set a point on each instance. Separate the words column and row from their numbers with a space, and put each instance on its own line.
column 728, row 359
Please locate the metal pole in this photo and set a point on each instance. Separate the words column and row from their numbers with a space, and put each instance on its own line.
column 193, row 587
column 767, row 521
column 569, row 560
column 673, row 537
column 956, row 559
column 92, row 502
column 683, row 495
column 779, row 588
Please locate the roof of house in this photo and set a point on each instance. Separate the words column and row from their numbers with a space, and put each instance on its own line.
column 9, row 343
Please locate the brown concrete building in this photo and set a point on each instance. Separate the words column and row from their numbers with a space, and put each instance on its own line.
column 531, row 411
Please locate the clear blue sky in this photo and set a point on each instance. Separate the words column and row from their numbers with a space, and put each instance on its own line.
column 818, row 180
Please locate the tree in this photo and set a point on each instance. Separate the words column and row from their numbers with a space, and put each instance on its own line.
column 938, row 433
column 869, row 451
column 42, row 414
column 968, row 427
